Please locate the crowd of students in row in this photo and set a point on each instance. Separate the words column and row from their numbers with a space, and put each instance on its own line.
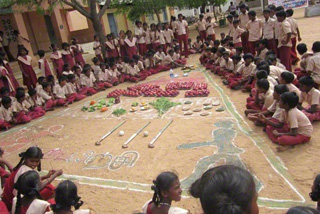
column 277, row 94
column 72, row 79
column 222, row 189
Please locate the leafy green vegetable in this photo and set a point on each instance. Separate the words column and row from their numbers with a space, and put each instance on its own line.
column 163, row 104
column 118, row 112
column 84, row 108
column 111, row 101
column 134, row 104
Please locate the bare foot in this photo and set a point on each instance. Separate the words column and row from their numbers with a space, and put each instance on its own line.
column 284, row 148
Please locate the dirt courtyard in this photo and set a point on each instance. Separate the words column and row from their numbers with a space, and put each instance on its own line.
column 116, row 180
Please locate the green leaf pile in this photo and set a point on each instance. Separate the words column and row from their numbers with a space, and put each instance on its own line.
column 118, row 112
column 163, row 104
column 98, row 105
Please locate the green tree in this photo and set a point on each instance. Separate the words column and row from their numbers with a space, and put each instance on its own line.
column 88, row 8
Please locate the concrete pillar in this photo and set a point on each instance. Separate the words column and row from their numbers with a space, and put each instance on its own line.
column 23, row 31
column 63, row 29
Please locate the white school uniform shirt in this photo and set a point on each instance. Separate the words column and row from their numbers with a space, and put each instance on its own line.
column 38, row 88
column 314, row 66
column 237, row 66
column 6, row 114
column 181, row 27
column 244, row 19
column 167, row 60
column 131, row 43
column 59, row 91
column 275, row 72
column 39, row 101
column 293, row 88
column 42, row 67
column 272, row 82
column 201, row 25
column 97, row 51
column 268, row 99
column 66, row 73
column 162, row 39
column 159, row 55
column 44, row 95
column 246, row 71
column 96, row 69
column 263, row 53
column 168, row 34
column 237, row 35
column 139, row 32
column 275, row 108
column 227, row 64
column 71, row 88
column 147, row 37
column 294, row 26
column 88, row 81
column 101, row 76
column 255, row 30
column 24, row 106
column 276, row 28
column 312, row 97
column 284, row 29
column 211, row 26
column 304, row 61
column 231, row 29
column 297, row 119
column 268, row 28
column 176, row 56
column 74, row 212
column 37, row 206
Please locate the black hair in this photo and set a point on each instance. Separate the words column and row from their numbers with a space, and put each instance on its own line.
column 32, row 152
column 248, row 56
column 74, row 68
column 4, row 90
column 264, row 42
column 262, row 74
column 70, row 77
column 21, row 49
column 163, row 182
column 41, row 53
column 281, row 88
column 224, row 189
column 50, row 78
column 65, row 66
column 45, row 85
column 41, row 79
column 290, row 98
column 20, row 94
column 73, row 40
column 170, row 51
column 52, row 45
column 289, row 12
column 176, row 48
column 316, row 46
column 302, row 48
column 95, row 59
column 267, row 10
column 287, row 76
column 239, row 49
column 225, row 53
column 279, row 8
column 272, row 7
column 86, row 68
column 236, row 57
column 66, row 197
column 214, row 50
column 20, row 89
column 252, row 13
column 236, row 21
column 242, row 5
column 95, row 36
column 264, row 84
column 216, row 42
column 306, row 80
column 221, row 50
column 256, row 59
column 64, row 44
column 230, row 16
column 271, row 58
column 281, row 14
column 315, row 194
column 28, row 186
column 302, row 210
column 32, row 92
column 6, row 100
column 62, row 78
column 131, row 61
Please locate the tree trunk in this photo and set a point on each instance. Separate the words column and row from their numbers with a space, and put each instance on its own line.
column 158, row 16
column 97, row 26
column 203, row 8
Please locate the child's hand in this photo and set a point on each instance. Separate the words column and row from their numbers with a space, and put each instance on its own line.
column 58, row 173
column 262, row 118
column 299, row 39
column 276, row 133
column 50, row 173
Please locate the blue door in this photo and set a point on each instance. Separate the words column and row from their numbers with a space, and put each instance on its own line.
column 112, row 24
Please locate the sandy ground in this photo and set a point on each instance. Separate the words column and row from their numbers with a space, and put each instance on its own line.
column 116, row 180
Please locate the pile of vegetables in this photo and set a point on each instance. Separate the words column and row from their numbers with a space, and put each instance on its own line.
column 101, row 105
column 118, row 112
column 163, row 105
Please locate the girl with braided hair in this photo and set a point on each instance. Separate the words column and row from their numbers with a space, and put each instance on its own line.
column 30, row 161
column 166, row 189
column 66, row 198
column 226, row 189
column 28, row 198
